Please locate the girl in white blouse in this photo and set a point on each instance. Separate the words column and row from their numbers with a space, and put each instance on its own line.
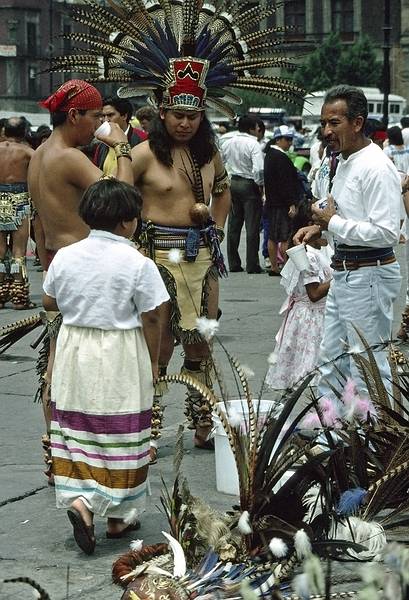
column 109, row 296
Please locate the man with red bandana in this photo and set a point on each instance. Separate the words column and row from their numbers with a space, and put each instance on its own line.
column 59, row 174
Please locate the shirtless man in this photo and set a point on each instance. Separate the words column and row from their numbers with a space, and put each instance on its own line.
column 163, row 170
column 59, row 173
column 15, row 156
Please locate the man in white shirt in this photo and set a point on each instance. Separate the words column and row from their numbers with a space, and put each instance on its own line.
column 363, row 216
column 405, row 130
column 245, row 164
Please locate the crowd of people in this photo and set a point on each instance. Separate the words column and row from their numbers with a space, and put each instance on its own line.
column 129, row 227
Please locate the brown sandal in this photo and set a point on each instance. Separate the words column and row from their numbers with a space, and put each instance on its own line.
column 83, row 533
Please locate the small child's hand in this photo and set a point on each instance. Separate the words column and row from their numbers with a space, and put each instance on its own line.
column 155, row 371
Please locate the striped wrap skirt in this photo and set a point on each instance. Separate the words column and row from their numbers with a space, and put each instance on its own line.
column 101, row 398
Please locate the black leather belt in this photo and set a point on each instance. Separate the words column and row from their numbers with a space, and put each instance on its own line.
column 353, row 265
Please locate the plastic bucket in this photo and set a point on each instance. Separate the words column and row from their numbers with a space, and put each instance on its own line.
column 227, row 479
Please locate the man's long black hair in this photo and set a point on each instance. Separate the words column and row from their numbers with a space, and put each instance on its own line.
column 202, row 145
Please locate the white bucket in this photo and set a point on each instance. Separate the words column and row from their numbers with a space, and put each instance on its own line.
column 227, row 479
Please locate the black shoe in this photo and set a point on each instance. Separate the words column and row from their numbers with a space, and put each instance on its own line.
column 255, row 271
column 236, row 270
column 274, row 273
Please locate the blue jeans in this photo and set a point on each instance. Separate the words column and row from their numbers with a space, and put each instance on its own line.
column 363, row 298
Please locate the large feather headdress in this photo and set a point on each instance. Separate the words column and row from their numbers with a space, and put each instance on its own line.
column 184, row 53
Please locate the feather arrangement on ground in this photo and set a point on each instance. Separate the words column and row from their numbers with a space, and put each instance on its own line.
column 303, row 494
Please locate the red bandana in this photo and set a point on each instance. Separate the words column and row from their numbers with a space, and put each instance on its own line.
column 73, row 94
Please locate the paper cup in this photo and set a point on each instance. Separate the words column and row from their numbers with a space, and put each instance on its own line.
column 104, row 129
column 298, row 255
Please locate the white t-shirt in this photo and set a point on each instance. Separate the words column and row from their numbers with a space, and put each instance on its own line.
column 104, row 282
column 243, row 156
column 399, row 157
column 367, row 192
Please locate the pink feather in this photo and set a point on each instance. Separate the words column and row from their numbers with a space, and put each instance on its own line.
column 329, row 412
column 349, row 393
column 311, row 421
column 364, row 406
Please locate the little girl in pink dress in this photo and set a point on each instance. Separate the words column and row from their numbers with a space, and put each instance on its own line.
column 299, row 337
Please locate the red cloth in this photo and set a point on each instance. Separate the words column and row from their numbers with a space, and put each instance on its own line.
column 379, row 136
column 75, row 93
column 141, row 133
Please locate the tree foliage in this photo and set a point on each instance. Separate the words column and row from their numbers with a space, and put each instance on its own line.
column 333, row 64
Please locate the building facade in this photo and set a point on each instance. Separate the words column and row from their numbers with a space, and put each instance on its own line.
column 314, row 20
column 29, row 34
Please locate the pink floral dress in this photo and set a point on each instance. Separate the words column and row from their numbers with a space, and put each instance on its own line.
column 299, row 337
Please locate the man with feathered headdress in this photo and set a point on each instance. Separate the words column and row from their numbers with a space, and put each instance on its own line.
column 184, row 54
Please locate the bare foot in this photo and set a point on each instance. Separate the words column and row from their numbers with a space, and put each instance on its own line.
column 117, row 527
column 153, row 455
column 201, row 438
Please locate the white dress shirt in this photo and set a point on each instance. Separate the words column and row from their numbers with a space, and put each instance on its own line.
column 104, row 282
column 367, row 192
column 243, row 156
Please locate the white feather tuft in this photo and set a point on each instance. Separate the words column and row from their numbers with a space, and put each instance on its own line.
column 366, row 533
column 179, row 560
column 244, row 523
column 175, row 256
column 278, row 547
column 131, row 517
column 233, row 417
column 302, row 544
column 247, row 372
column 136, row 545
column 36, row 594
column 207, row 327
column 272, row 358
column 313, row 501
column 301, row 586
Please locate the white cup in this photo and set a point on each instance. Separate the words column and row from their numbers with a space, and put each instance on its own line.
column 104, row 129
column 298, row 254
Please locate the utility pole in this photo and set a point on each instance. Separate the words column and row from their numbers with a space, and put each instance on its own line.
column 50, row 45
column 386, row 73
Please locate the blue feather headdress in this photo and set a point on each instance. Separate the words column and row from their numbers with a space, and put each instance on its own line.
column 184, row 53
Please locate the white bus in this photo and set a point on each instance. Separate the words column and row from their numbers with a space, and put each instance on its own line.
column 397, row 104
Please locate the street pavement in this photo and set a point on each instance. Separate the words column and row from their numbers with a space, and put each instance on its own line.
column 36, row 538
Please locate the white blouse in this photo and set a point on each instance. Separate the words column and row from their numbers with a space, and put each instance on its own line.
column 104, row 282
